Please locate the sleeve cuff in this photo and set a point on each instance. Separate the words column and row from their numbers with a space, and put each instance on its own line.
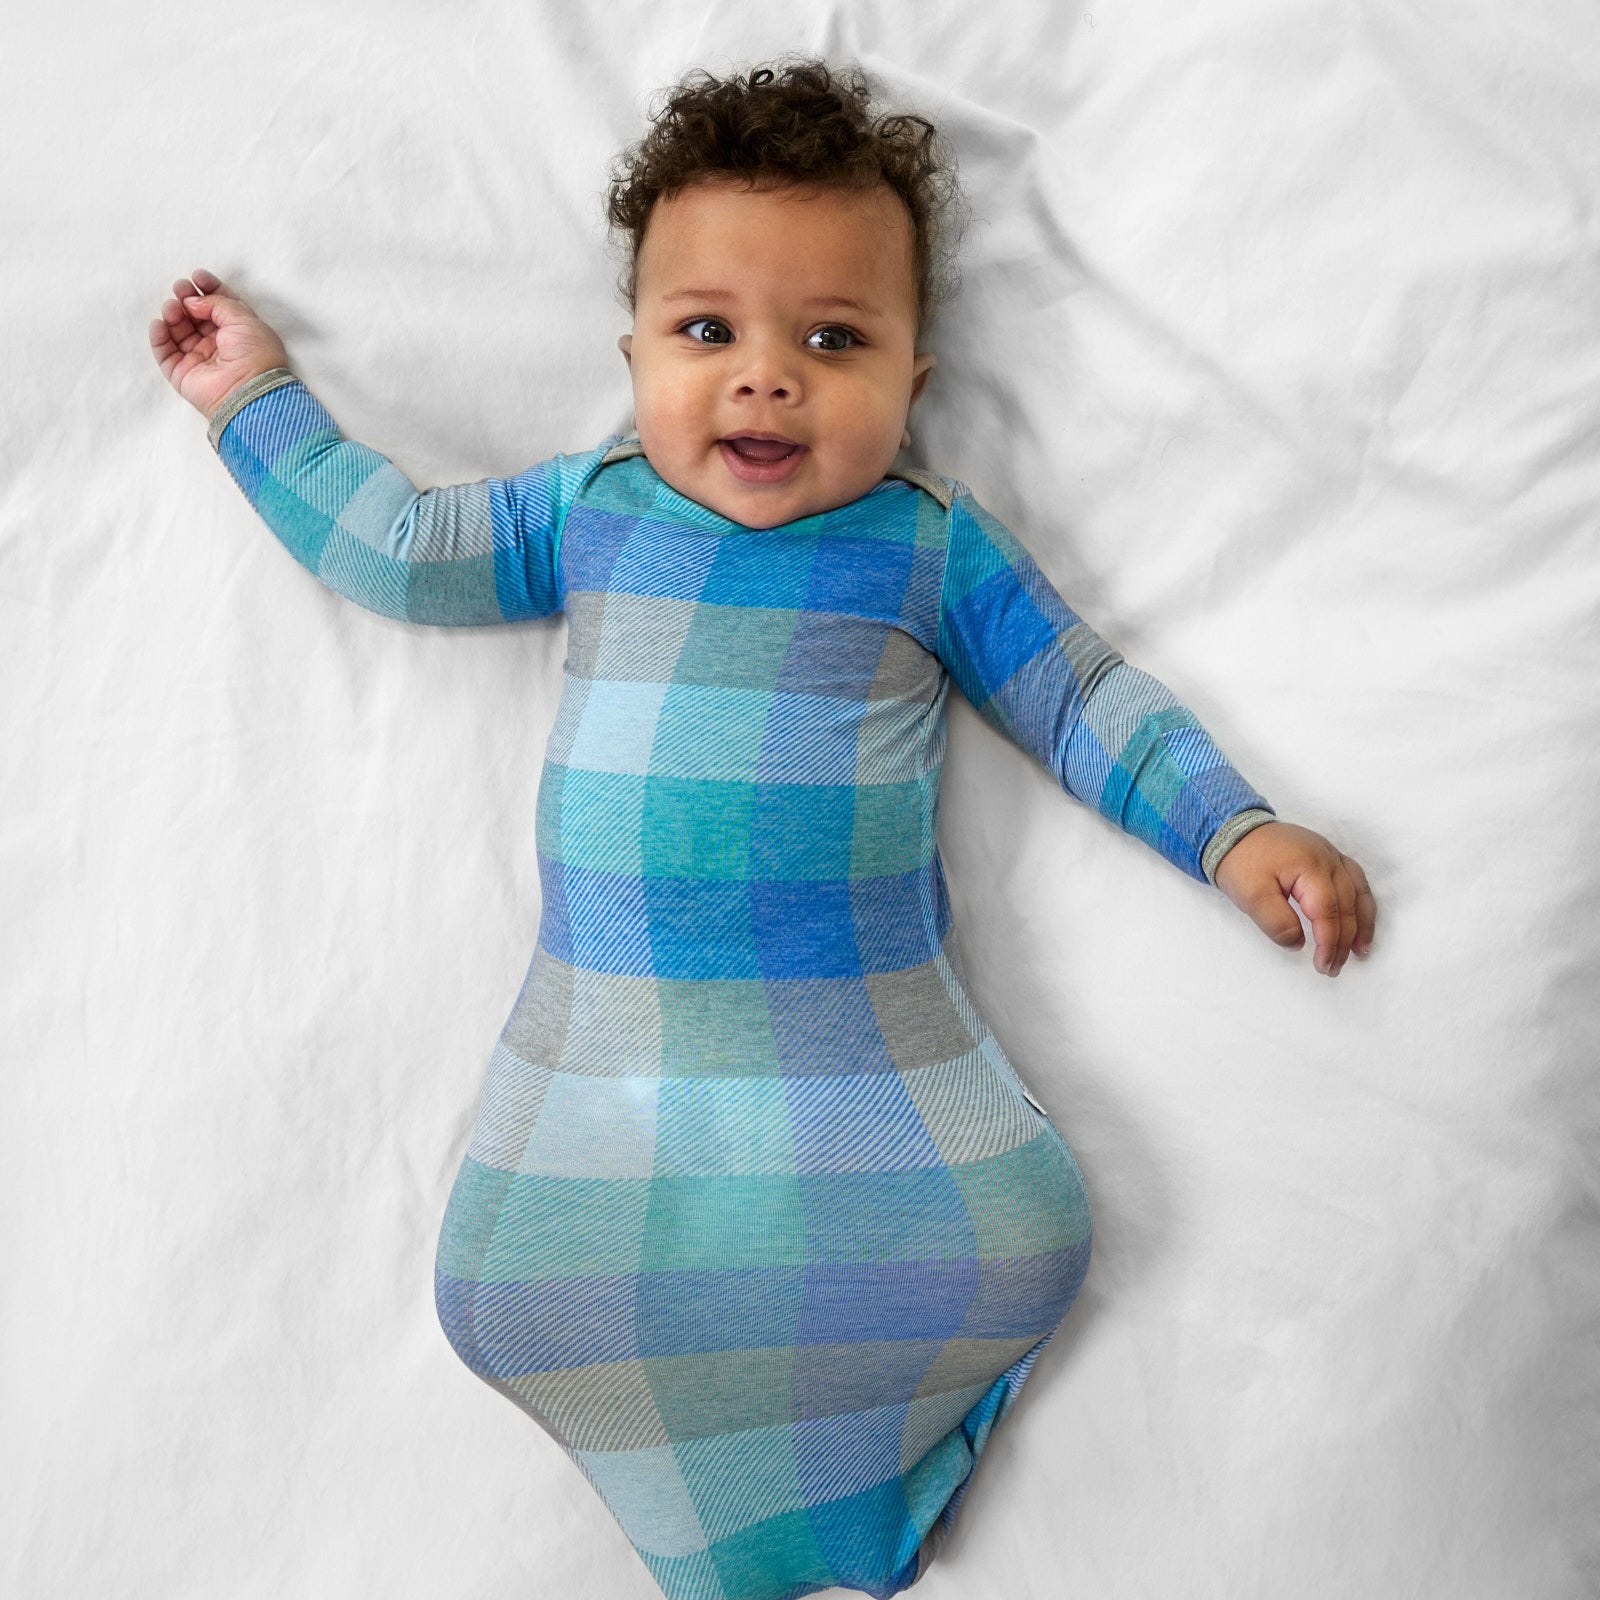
column 1229, row 834
column 240, row 396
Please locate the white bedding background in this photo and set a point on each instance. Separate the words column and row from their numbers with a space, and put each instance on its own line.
column 1278, row 348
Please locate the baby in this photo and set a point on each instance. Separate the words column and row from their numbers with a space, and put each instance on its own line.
column 756, row 1219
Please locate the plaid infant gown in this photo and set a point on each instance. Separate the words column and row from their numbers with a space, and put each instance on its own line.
column 756, row 1220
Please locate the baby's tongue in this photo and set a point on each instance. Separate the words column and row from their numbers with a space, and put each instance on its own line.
column 761, row 449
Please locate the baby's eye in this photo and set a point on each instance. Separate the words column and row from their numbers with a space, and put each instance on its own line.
column 832, row 337
column 708, row 330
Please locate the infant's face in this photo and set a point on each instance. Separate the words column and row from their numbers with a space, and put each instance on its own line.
column 773, row 351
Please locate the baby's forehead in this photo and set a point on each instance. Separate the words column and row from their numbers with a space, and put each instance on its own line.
column 723, row 217
column 872, row 204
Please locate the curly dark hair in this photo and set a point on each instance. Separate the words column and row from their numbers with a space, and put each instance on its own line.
column 798, row 121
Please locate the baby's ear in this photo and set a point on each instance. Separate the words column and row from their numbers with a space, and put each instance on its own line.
column 625, row 345
column 923, row 365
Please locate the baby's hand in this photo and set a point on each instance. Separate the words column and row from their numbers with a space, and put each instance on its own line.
column 1278, row 861
column 209, row 341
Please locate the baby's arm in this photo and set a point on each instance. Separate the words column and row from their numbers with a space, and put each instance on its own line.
column 1121, row 741
column 464, row 553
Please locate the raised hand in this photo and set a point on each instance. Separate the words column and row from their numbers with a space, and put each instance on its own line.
column 1279, row 862
column 208, row 341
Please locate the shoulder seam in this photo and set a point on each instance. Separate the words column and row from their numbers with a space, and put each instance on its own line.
column 620, row 452
column 929, row 482
column 602, row 455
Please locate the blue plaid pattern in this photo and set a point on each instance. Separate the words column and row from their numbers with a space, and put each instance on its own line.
column 757, row 1221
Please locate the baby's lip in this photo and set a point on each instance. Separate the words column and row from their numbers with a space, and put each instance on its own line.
column 763, row 438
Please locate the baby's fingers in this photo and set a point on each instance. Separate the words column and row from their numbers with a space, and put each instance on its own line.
column 211, row 288
column 1366, row 907
column 162, row 348
column 173, row 336
column 202, row 282
column 1329, row 901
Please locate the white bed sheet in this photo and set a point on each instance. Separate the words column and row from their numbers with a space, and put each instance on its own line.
column 1280, row 347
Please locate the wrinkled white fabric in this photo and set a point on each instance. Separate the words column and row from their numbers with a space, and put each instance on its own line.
column 1279, row 347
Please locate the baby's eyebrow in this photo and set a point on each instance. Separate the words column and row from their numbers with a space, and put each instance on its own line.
column 864, row 307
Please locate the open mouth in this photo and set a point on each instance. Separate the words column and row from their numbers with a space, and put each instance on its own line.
column 753, row 448
column 760, row 458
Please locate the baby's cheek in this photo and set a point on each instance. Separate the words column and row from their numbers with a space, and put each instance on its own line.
column 881, row 441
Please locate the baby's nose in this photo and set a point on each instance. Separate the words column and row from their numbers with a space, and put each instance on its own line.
column 777, row 388
column 769, row 371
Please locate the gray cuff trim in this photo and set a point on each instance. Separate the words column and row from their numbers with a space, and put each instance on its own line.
column 1228, row 835
column 238, row 397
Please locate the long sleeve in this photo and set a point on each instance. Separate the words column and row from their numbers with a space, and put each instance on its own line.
column 467, row 553
column 1114, row 737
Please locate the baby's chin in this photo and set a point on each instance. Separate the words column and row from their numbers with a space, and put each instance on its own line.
column 756, row 505
column 756, row 510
